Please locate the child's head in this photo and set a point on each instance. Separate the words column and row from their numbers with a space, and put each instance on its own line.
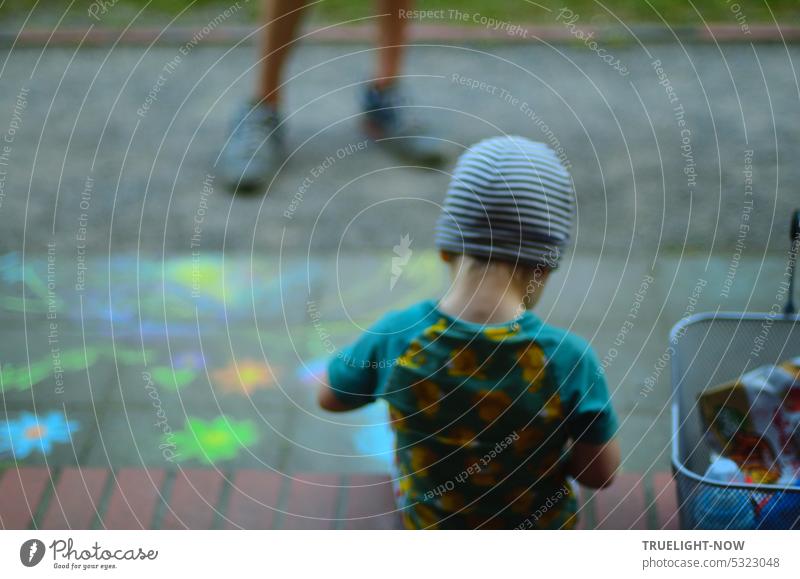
column 509, row 205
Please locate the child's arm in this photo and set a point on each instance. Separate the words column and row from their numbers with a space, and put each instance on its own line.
column 327, row 399
column 355, row 373
column 594, row 465
column 591, row 421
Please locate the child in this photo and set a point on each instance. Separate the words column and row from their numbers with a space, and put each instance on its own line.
column 493, row 409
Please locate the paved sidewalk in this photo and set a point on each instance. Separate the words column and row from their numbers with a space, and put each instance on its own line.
column 97, row 128
column 104, row 177
column 215, row 360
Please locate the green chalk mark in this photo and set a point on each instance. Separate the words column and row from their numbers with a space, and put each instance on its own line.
column 22, row 377
column 213, row 441
column 172, row 380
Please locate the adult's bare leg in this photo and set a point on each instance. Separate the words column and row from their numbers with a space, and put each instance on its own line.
column 281, row 20
column 392, row 37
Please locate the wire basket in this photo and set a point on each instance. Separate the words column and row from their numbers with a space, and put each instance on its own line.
column 707, row 350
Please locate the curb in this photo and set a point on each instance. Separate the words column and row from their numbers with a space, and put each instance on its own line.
column 229, row 35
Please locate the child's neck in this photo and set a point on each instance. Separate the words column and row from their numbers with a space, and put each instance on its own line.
column 484, row 296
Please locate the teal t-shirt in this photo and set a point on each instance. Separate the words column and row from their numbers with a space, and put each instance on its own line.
column 482, row 414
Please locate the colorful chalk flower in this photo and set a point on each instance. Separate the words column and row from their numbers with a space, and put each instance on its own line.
column 243, row 377
column 29, row 433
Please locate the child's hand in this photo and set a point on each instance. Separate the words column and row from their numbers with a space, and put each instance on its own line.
column 328, row 400
column 594, row 465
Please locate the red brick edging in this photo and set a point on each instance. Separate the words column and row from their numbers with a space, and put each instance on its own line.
column 432, row 33
column 35, row 497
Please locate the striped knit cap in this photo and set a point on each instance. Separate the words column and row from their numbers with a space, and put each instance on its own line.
column 509, row 199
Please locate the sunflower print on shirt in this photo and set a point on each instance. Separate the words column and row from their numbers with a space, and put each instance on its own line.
column 450, row 403
column 482, row 414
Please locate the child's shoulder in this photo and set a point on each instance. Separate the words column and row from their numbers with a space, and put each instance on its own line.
column 570, row 357
column 407, row 319
column 563, row 345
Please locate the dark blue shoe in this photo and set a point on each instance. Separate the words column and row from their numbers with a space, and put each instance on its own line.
column 389, row 121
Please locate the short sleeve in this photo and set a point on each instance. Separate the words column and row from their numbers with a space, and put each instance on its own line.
column 353, row 373
column 358, row 373
column 590, row 416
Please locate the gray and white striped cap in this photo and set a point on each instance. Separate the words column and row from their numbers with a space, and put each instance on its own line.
column 510, row 199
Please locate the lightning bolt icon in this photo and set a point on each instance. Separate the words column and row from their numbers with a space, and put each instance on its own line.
column 403, row 252
column 34, row 548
